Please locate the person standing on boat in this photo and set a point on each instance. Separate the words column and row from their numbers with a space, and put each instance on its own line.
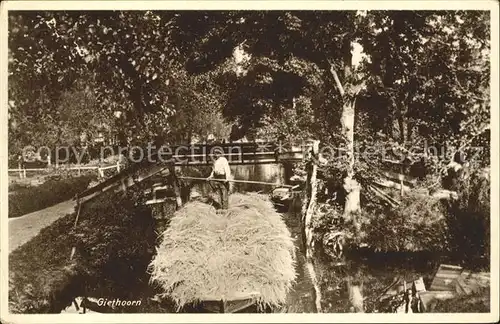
column 221, row 170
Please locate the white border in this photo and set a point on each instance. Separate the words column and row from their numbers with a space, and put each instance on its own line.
column 249, row 5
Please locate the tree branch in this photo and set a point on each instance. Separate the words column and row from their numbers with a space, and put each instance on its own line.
column 467, row 91
column 336, row 78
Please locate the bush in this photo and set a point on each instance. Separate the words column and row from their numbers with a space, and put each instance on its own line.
column 418, row 224
column 53, row 191
column 469, row 218
column 477, row 302
column 63, row 173
column 14, row 186
column 40, row 270
column 114, row 243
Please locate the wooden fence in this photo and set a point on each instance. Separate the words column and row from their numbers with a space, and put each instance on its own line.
column 100, row 169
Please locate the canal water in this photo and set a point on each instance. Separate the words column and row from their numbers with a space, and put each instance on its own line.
column 374, row 272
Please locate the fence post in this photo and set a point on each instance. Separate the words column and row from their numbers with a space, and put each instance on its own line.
column 19, row 168
column 79, row 171
column 24, row 172
column 118, row 166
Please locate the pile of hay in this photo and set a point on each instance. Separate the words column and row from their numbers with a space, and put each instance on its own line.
column 246, row 251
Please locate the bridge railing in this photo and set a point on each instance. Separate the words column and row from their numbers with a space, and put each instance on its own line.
column 197, row 154
column 236, row 153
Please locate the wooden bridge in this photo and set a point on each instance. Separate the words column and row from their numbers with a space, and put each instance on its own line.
column 168, row 157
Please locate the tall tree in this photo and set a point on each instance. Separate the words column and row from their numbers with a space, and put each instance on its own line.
column 433, row 78
column 137, row 72
column 289, row 57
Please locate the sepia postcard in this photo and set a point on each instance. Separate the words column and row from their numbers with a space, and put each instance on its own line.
column 249, row 161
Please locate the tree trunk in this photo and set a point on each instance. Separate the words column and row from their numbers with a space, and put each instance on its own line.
column 176, row 185
column 402, row 128
column 308, row 209
column 355, row 292
column 349, row 92
column 351, row 186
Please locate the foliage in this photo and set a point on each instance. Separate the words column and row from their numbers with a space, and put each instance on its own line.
column 200, row 103
column 40, row 273
column 280, row 61
column 477, row 302
column 178, row 76
column 432, row 80
column 15, row 186
column 114, row 258
column 423, row 72
column 51, row 192
column 114, row 242
column 120, row 67
column 418, row 224
column 469, row 217
column 140, row 65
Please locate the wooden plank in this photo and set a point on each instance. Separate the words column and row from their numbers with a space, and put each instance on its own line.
column 124, row 180
column 428, row 298
column 237, row 154
column 391, row 184
column 239, row 181
column 445, row 277
column 245, row 162
column 229, row 147
column 235, row 306
column 112, row 180
column 125, row 177
column 398, row 176
column 159, row 201
column 109, row 167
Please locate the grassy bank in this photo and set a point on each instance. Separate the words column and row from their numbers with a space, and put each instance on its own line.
column 29, row 199
column 114, row 243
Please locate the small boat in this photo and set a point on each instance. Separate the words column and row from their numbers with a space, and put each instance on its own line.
column 233, row 304
column 227, row 306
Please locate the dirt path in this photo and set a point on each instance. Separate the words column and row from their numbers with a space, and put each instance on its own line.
column 22, row 229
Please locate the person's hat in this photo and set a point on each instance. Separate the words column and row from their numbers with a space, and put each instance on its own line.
column 194, row 194
column 217, row 151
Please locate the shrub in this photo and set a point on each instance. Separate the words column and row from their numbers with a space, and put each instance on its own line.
column 40, row 270
column 477, row 302
column 14, row 186
column 53, row 191
column 469, row 217
column 418, row 224
column 114, row 243
column 63, row 173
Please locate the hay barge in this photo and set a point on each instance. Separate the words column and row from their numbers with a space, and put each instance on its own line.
column 226, row 262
